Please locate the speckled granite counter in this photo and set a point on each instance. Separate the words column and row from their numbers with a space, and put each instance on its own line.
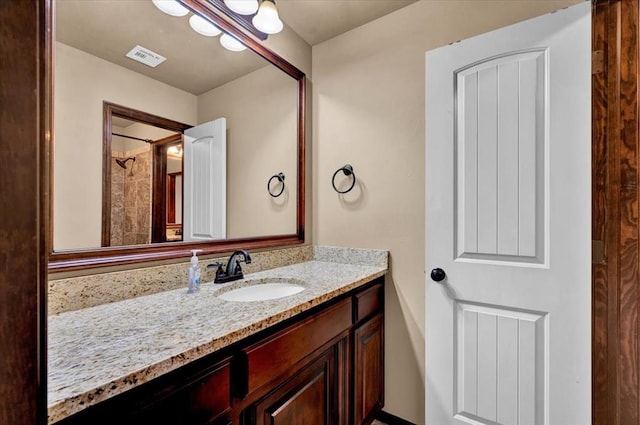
column 99, row 352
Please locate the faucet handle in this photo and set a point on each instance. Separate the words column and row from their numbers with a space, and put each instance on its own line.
column 246, row 258
column 219, row 271
column 238, row 269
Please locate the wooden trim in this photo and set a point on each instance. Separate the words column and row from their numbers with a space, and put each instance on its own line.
column 145, row 118
column 615, row 228
column 171, row 197
column 25, row 105
column 302, row 137
column 390, row 419
column 111, row 256
column 107, row 125
column 159, row 194
column 601, row 412
column 108, row 256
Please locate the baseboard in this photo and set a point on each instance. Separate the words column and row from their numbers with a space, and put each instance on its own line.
column 390, row 419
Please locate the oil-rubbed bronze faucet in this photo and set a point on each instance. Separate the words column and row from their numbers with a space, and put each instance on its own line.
column 234, row 271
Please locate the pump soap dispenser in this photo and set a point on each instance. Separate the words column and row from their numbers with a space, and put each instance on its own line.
column 193, row 280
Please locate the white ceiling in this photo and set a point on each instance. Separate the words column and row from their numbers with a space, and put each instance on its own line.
column 110, row 28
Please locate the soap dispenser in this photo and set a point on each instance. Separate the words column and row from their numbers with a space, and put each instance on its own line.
column 193, row 279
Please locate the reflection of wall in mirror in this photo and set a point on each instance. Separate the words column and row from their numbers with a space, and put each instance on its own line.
column 82, row 83
column 267, row 99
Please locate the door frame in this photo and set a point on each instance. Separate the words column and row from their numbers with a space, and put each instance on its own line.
column 615, row 230
column 25, row 139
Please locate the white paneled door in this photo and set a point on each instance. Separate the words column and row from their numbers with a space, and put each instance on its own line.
column 508, row 221
column 205, row 181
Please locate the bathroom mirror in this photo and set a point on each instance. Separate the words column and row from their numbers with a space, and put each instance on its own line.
column 258, row 94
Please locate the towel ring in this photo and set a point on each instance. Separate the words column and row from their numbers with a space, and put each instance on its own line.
column 348, row 171
column 280, row 178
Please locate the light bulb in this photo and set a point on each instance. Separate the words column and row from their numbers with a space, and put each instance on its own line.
column 267, row 19
column 231, row 43
column 175, row 150
column 171, row 7
column 204, row 27
column 242, row 7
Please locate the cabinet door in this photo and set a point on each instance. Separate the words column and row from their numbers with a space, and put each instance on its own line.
column 369, row 370
column 205, row 400
column 310, row 397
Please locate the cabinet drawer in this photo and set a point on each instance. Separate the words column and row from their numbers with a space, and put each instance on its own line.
column 204, row 399
column 368, row 301
column 276, row 355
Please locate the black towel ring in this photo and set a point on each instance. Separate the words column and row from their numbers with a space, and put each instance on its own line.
column 280, row 178
column 348, row 171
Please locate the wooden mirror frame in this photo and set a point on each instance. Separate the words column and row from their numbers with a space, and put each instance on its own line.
column 111, row 256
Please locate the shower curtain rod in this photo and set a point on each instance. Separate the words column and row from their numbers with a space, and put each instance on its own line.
column 131, row 137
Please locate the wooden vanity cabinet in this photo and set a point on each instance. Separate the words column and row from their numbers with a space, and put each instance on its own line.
column 322, row 367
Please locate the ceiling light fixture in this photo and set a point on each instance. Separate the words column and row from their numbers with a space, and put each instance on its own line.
column 203, row 27
column 231, row 43
column 267, row 19
column 171, row 7
column 242, row 7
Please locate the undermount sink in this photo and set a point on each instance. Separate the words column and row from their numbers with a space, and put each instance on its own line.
column 262, row 290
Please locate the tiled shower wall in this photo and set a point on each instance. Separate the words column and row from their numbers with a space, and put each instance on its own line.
column 131, row 199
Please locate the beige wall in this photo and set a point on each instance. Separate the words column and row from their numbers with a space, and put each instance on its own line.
column 81, row 84
column 261, row 114
column 368, row 110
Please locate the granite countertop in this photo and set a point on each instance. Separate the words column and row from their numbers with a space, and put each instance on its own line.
column 99, row 352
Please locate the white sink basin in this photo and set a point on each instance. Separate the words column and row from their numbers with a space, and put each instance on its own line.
column 262, row 292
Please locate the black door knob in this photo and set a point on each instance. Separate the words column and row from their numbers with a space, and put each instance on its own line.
column 438, row 275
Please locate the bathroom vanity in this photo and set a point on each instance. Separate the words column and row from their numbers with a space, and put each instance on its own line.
column 177, row 358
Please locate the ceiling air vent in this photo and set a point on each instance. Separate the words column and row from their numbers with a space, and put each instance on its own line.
column 145, row 56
